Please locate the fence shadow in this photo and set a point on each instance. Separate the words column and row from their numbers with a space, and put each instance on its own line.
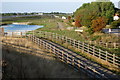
column 22, row 65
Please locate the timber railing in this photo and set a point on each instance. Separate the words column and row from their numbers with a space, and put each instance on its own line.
column 84, row 47
column 66, row 57
column 92, row 69
column 114, row 45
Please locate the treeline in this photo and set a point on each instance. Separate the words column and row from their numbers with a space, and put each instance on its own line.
column 13, row 14
column 33, row 13
column 95, row 15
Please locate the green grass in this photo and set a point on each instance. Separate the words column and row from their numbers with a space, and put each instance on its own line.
column 50, row 25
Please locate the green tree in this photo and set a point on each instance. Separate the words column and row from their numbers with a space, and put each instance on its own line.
column 91, row 11
column 115, row 24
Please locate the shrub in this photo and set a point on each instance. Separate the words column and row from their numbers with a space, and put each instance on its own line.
column 99, row 23
column 95, row 38
column 115, row 24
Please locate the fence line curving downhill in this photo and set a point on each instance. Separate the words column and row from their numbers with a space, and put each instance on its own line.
column 84, row 47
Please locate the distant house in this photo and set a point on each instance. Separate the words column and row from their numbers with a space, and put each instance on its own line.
column 56, row 16
column 116, row 17
column 40, row 13
column 63, row 17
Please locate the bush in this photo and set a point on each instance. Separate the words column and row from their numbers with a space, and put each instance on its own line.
column 115, row 24
column 32, row 24
column 99, row 23
column 95, row 38
column 90, row 31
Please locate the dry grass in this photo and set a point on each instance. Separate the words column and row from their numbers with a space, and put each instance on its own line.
column 23, row 65
column 93, row 58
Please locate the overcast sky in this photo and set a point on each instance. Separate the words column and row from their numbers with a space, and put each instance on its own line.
column 68, row 6
column 52, row 0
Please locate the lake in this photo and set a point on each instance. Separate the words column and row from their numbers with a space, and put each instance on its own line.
column 20, row 28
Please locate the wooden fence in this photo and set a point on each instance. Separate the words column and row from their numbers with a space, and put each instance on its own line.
column 106, row 45
column 1, row 32
column 70, row 59
column 84, row 47
column 92, row 69
column 73, row 59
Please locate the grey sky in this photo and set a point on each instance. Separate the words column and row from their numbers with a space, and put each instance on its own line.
column 52, row 0
column 44, row 5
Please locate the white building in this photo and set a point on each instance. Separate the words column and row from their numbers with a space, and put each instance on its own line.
column 56, row 16
column 63, row 17
column 115, row 18
column 40, row 13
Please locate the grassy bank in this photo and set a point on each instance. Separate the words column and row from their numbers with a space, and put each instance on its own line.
column 50, row 25
column 32, row 65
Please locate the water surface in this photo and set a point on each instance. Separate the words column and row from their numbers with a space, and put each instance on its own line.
column 20, row 27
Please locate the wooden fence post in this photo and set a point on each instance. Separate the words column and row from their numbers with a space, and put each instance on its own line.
column 99, row 53
column 62, row 55
column 93, row 50
column 66, row 40
column 106, row 45
column 106, row 56
column 113, row 58
column 20, row 33
column 67, row 57
column 78, row 44
column 54, row 51
column 83, row 47
column 38, row 41
column 88, row 47
column 71, row 41
column 114, row 45
column 78, row 63
column 73, row 60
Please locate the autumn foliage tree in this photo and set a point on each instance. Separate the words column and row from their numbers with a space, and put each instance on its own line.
column 99, row 23
column 69, row 18
column 91, row 11
column 77, row 22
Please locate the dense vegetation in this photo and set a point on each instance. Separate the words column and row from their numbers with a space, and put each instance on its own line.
column 91, row 15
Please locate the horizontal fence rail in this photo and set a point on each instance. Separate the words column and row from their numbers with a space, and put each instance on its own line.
column 106, row 45
column 84, row 47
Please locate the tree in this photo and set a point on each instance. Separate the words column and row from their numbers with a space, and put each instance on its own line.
column 93, row 10
column 77, row 22
column 115, row 24
column 69, row 18
column 99, row 23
